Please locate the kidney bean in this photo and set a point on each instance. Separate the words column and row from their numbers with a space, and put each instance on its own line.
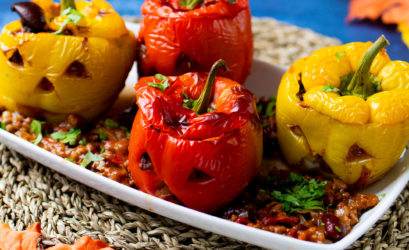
column 334, row 227
column 243, row 221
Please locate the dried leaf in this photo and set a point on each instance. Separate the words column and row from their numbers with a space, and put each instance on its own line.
column 391, row 11
column 404, row 28
column 84, row 243
column 15, row 240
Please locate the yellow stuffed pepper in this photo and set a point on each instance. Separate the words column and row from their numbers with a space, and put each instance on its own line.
column 346, row 108
column 69, row 59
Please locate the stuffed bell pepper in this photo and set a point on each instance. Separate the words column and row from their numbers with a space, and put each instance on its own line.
column 346, row 108
column 194, row 143
column 64, row 59
column 177, row 37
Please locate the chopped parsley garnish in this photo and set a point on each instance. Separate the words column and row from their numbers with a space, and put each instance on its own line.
column 381, row 195
column 296, row 193
column 329, row 88
column 128, row 135
column 102, row 150
column 163, row 85
column 102, row 134
column 271, row 105
column 67, row 137
column 83, row 142
column 322, row 223
column 68, row 159
column 262, row 190
column 124, row 128
column 111, row 123
column 265, row 125
column 73, row 16
column 36, row 129
column 339, row 55
column 90, row 157
column 2, row 126
column 406, row 147
column 337, row 228
column 259, row 109
column 187, row 102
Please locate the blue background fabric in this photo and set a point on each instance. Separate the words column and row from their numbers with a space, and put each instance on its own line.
column 323, row 16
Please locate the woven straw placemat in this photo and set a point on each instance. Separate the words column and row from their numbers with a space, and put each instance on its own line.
column 67, row 210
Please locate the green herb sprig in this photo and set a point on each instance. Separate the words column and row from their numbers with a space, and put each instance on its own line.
column 329, row 88
column 296, row 193
column 163, row 85
column 187, row 102
column 90, row 157
column 2, row 126
column 111, row 123
column 36, row 129
column 73, row 16
column 270, row 106
column 102, row 135
column 67, row 137
column 338, row 56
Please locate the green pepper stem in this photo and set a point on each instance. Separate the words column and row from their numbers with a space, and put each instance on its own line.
column 203, row 101
column 65, row 4
column 361, row 84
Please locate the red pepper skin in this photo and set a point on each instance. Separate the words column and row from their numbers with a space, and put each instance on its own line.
column 173, row 40
column 205, row 161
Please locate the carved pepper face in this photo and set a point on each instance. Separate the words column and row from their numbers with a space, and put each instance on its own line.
column 174, row 40
column 82, row 71
column 360, row 139
column 205, row 161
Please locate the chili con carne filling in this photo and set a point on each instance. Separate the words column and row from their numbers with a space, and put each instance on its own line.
column 256, row 207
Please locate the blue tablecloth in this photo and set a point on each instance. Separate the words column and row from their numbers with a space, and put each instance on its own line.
column 324, row 16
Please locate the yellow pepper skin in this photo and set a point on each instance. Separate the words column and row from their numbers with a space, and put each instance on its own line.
column 57, row 75
column 329, row 125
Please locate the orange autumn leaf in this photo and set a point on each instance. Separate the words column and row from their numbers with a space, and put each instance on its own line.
column 391, row 11
column 15, row 240
column 84, row 243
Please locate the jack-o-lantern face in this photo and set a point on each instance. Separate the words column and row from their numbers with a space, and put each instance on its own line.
column 49, row 76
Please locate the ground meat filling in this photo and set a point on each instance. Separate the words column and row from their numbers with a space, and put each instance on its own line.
column 257, row 208
column 270, row 140
column 114, row 148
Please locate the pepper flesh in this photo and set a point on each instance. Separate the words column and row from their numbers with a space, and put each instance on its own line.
column 173, row 40
column 56, row 75
column 334, row 126
column 206, row 160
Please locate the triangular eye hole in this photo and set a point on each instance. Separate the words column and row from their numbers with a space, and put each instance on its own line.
column 16, row 58
column 77, row 69
column 198, row 175
column 297, row 130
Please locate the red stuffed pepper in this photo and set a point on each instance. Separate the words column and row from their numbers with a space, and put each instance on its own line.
column 184, row 147
column 175, row 39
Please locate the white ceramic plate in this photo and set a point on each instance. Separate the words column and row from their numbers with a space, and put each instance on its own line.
column 264, row 80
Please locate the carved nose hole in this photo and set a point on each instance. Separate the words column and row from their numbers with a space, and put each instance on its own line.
column 17, row 59
column 355, row 154
column 198, row 175
column 44, row 86
column 77, row 69
column 297, row 130
column 146, row 164
column 185, row 63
